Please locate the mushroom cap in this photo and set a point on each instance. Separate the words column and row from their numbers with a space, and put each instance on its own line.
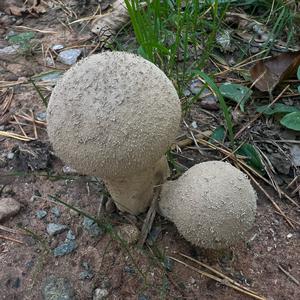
column 113, row 114
column 213, row 204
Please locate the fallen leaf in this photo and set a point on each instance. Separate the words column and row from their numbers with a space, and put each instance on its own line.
column 236, row 92
column 291, row 121
column 15, row 10
column 269, row 72
column 277, row 108
column 253, row 158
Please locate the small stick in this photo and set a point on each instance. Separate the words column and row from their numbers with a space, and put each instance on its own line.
column 24, row 133
column 259, row 114
column 15, row 136
column 224, row 282
column 35, row 29
column 288, row 274
column 34, row 126
column 11, row 239
column 147, row 225
column 217, row 273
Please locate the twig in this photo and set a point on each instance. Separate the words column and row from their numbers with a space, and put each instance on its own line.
column 34, row 126
column 217, row 273
column 10, row 239
column 288, row 274
column 147, row 225
column 222, row 281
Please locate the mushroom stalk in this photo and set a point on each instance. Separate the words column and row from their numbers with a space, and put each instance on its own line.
column 134, row 193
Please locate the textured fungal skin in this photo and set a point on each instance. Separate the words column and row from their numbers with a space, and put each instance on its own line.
column 112, row 115
column 213, row 204
column 138, row 189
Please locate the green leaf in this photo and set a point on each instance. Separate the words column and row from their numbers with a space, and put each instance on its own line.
column 236, row 93
column 278, row 108
column 253, row 158
column 291, row 121
column 218, row 135
column 21, row 39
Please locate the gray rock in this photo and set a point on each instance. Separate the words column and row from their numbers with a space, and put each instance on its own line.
column 9, row 51
column 143, row 297
column 54, row 229
column 70, row 236
column 8, row 208
column 100, row 294
column 69, row 57
column 68, row 170
column 57, row 288
column 209, row 103
column 295, row 154
column 66, row 248
column 41, row 116
column 91, row 227
column 57, row 47
column 40, row 214
column 280, row 163
column 10, row 155
column 55, row 211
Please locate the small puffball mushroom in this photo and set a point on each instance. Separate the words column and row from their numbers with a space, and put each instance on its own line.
column 114, row 115
column 213, row 204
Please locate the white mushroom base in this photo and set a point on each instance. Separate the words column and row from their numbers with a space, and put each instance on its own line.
column 213, row 204
column 134, row 194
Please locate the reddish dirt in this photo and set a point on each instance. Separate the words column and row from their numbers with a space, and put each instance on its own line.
column 24, row 267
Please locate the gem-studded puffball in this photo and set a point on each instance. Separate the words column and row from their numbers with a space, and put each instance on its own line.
column 213, row 204
column 113, row 114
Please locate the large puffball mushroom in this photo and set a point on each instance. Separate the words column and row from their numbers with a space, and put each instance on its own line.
column 213, row 204
column 114, row 115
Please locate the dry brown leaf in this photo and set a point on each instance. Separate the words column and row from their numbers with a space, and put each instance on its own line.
column 269, row 72
column 15, row 10
column 32, row 7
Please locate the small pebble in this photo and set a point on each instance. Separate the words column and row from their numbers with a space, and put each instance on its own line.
column 194, row 125
column 86, row 275
column 129, row 270
column 40, row 214
column 41, row 116
column 68, row 170
column 143, row 297
column 91, row 227
column 55, row 211
column 65, row 248
column 9, row 51
column 100, row 294
column 70, row 235
column 57, row 288
column 54, row 229
column 57, row 47
column 69, row 57
column 8, row 208
column 10, row 155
